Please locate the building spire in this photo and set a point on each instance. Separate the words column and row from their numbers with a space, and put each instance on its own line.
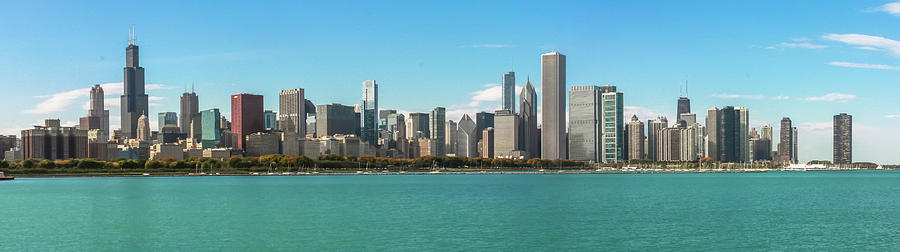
column 131, row 35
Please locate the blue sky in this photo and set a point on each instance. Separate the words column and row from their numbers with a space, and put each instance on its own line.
column 801, row 59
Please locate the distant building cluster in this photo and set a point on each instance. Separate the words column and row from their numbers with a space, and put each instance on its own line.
column 593, row 129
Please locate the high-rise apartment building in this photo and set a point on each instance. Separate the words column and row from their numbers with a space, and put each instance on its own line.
column 508, row 101
column 843, row 139
column 370, row 112
column 794, row 155
column 654, row 129
column 246, row 116
column 786, row 143
column 553, row 103
column 728, row 137
column 634, row 139
column 134, row 101
column 292, row 110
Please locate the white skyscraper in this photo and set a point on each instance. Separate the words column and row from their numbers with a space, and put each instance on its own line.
column 553, row 104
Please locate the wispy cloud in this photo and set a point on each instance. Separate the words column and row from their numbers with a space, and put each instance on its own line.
column 875, row 42
column 892, row 116
column 738, row 96
column 890, row 8
column 832, row 97
column 863, row 65
column 488, row 46
column 59, row 102
column 781, row 97
column 800, row 45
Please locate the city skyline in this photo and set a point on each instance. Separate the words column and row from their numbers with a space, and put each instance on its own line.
column 646, row 97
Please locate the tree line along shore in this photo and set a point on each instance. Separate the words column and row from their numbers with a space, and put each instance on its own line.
column 331, row 162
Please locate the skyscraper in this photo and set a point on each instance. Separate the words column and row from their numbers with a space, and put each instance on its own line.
column 843, row 139
column 584, row 123
column 143, row 128
column 786, row 143
column 483, row 120
column 506, row 134
column 417, row 126
column 762, row 148
column 190, row 112
column 553, row 103
column 654, row 131
column 166, row 118
column 684, row 107
column 794, row 155
column 452, row 137
column 727, row 137
column 211, row 135
column 612, row 125
column 335, row 118
column 53, row 142
column 634, row 139
column 271, row 120
column 467, row 143
column 246, row 116
column 370, row 112
column 292, row 110
column 437, row 132
column 509, row 92
column 528, row 112
column 134, row 102
column 396, row 124
column 98, row 109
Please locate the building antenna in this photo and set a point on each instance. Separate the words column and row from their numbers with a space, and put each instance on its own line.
column 686, row 88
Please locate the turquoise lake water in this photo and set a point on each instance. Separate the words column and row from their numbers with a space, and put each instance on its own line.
column 766, row 211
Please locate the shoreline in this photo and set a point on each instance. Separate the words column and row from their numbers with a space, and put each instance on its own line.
column 446, row 172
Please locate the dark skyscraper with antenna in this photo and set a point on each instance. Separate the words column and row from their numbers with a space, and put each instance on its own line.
column 134, row 99
column 684, row 104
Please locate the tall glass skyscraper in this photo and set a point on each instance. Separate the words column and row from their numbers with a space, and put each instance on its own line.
column 212, row 128
column 370, row 112
column 612, row 125
column 509, row 92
